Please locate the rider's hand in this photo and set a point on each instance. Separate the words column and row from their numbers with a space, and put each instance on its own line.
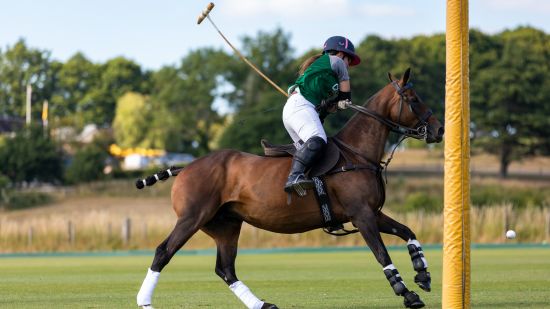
column 343, row 104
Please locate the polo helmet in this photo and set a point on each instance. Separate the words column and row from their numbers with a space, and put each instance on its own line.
column 340, row 43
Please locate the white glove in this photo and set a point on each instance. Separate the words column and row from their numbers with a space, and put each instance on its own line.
column 344, row 104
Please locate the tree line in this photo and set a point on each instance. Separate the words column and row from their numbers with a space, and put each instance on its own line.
column 177, row 107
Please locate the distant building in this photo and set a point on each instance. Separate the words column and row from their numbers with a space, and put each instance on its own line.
column 9, row 124
column 135, row 162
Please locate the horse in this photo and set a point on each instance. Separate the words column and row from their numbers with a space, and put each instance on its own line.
column 219, row 191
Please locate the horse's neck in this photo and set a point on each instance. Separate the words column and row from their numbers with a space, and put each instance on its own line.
column 366, row 134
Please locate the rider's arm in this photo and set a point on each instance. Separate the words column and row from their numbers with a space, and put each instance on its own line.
column 341, row 70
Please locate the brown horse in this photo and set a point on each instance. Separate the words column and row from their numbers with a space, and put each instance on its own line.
column 217, row 192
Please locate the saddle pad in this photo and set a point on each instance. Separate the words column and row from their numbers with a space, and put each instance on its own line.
column 271, row 150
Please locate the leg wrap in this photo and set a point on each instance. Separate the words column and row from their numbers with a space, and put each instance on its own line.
column 417, row 255
column 246, row 296
column 395, row 280
column 420, row 264
column 146, row 291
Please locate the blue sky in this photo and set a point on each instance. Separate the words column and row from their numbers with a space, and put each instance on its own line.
column 161, row 32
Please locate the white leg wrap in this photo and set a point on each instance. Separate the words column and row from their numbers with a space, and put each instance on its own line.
column 416, row 243
column 145, row 293
column 390, row 266
column 244, row 294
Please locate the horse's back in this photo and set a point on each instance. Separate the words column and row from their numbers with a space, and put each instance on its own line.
column 224, row 176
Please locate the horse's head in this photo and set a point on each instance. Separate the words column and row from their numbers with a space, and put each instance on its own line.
column 407, row 109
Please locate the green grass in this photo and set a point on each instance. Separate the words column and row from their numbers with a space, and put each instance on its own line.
column 501, row 278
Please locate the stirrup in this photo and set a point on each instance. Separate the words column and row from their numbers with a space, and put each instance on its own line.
column 299, row 189
column 295, row 188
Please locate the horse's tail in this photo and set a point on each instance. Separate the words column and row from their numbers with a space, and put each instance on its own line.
column 162, row 175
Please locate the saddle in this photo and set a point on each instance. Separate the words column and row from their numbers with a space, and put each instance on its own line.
column 324, row 164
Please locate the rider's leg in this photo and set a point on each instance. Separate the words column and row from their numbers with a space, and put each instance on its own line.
column 303, row 159
column 302, row 123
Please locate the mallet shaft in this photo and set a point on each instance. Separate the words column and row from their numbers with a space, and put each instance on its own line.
column 246, row 60
column 205, row 14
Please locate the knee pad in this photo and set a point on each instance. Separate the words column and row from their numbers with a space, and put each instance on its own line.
column 315, row 143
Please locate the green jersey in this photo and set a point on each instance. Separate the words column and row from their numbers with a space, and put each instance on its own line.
column 319, row 81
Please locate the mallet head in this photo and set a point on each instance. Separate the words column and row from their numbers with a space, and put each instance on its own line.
column 205, row 12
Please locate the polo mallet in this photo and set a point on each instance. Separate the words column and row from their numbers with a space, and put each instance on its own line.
column 205, row 14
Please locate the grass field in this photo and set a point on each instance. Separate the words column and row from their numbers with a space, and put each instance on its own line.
column 501, row 278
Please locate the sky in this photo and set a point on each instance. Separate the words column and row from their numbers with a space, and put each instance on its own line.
column 161, row 32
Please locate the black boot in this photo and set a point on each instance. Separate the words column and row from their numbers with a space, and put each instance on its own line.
column 303, row 159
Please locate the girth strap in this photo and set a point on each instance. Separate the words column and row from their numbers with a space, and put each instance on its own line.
column 331, row 226
column 321, row 194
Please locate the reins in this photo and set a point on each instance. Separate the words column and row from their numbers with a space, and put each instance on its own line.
column 418, row 133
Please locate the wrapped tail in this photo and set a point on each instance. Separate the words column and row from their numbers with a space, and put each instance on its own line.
column 162, row 175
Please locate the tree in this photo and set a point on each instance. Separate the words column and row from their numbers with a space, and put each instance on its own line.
column 184, row 118
column 116, row 77
column 132, row 119
column 21, row 66
column 259, row 105
column 74, row 81
column 30, row 156
column 511, row 95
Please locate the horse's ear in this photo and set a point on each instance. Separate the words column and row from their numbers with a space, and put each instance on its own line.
column 406, row 77
column 390, row 77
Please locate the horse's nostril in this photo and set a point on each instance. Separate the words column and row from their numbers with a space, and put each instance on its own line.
column 440, row 131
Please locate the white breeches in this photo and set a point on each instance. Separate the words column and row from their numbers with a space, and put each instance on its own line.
column 301, row 120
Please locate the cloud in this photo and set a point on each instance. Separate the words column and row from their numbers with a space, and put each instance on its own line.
column 385, row 10
column 531, row 6
column 287, row 8
column 313, row 9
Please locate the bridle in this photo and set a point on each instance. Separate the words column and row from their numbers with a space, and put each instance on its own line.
column 419, row 132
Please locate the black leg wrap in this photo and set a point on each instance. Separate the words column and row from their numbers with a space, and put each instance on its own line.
column 424, row 280
column 395, row 281
column 417, row 257
column 412, row 300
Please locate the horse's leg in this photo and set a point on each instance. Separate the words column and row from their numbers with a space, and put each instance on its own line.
column 365, row 221
column 225, row 231
column 390, row 226
column 184, row 229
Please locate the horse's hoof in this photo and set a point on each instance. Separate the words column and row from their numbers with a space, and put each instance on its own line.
column 423, row 280
column 412, row 300
column 147, row 307
column 269, row 306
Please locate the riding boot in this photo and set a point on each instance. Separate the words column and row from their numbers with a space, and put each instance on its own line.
column 302, row 160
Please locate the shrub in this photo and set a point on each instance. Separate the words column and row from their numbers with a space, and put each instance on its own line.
column 15, row 200
column 423, row 201
column 31, row 155
column 518, row 197
column 87, row 165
